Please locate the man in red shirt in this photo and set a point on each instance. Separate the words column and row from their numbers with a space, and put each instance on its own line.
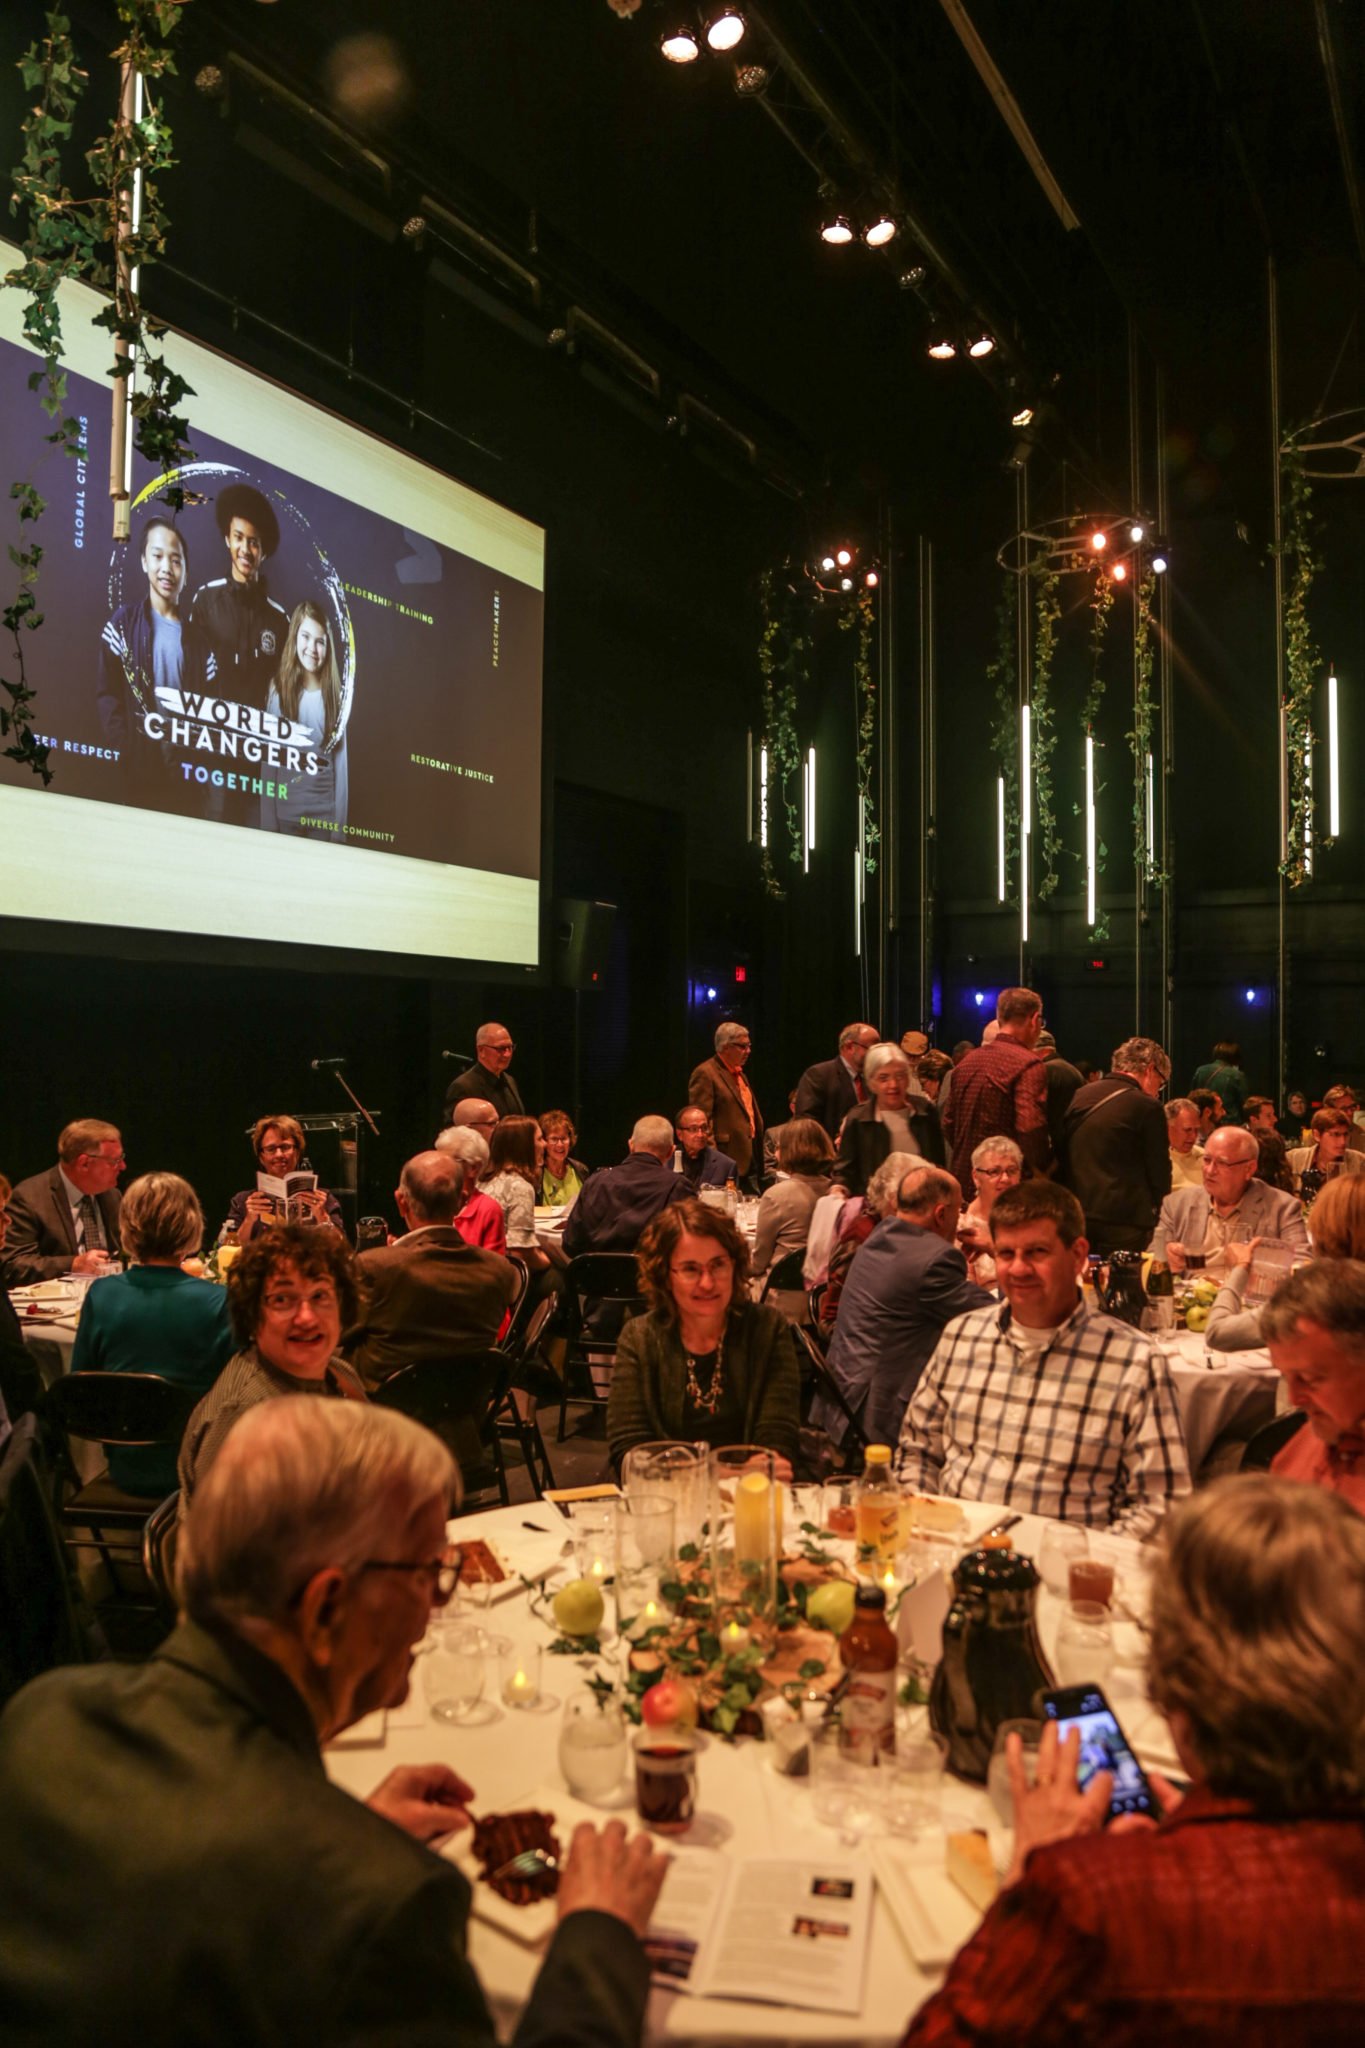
column 1241, row 1917
column 1315, row 1327
column 1000, row 1090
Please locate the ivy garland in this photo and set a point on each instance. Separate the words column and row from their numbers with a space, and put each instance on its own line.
column 784, row 664
column 79, row 238
column 1302, row 664
column 1144, row 723
column 861, row 612
column 1047, row 612
column 1004, row 741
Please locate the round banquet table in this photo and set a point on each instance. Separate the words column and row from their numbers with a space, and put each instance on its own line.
column 1219, row 1392
column 744, row 1807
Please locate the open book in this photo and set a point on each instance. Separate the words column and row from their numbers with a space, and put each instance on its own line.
column 794, row 1933
column 284, row 1190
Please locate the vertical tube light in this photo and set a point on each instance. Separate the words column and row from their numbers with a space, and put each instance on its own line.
column 1333, row 762
column 763, row 796
column 1150, row 774
column 134, row 277
column 1090, row 874
column 1000, row 879
column 1025, row 812
column 1308, row 806
column 860, row 877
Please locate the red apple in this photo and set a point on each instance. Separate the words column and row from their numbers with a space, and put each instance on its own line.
column 670, row 1704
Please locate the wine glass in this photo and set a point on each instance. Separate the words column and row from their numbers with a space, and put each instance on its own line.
column 1062, row 1544
column 453, row 1671
column 1085, row 1644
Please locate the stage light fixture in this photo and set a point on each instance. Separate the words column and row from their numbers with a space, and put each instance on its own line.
column 845, row 583
column 1022, row 418
column 680, row 44
column 872, row 579
column 725, row 28
column 827, row 564
column 943, row 349
column 984, row 345
column 843, row 557
column 836, row 230
column 1099, row 540
column 912, row 277
column 879, row 231
column 1119, row 572
column 1159, row 563
column 1137, row 533
column 751, row 80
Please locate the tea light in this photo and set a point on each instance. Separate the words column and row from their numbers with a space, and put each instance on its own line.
column 519, row 1690
column 734, row 1638
column 521, row 1677
column 598, row 1568
column 887, row 1582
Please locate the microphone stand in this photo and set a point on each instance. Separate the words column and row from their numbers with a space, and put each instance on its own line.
column 341, row 1078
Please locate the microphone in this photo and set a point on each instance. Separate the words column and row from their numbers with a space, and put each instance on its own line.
column 467, row 1057
column 327, row 1066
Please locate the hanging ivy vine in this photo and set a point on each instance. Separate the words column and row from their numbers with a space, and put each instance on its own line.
column 860, row 613
column 71, row 237
column 1002, row 675
column 1301, row 661
column 1140, row 739
column 1047, row 612
column 784, row 664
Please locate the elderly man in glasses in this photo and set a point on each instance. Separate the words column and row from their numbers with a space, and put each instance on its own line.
column 243, row 1897
column 1197, row 1225
column 490, row 1077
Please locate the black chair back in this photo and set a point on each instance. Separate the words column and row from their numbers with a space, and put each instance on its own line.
column 121, row 1407
column 41, row 1619
column 1270, row 1439
column 457, row 1399
column 519, row 1306
column 820, row 1380
column 159, row 1541
column 601, row 1291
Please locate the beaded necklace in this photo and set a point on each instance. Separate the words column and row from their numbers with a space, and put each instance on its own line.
column 709, row 1401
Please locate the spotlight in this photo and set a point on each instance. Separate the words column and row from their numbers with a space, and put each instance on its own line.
column 415, row 233
column 879, row 231
column 871, row 579
column 1137, row 533
column 984, row 345
column 1250, row 994
column 843, row 556
column 836, row 230
column 1022, row 418
column 680, row 45
column 943, row 348
column 1119, row 572
column 979, row 999
column 845, row 583
column 725, row 28
column 710, row 995
column 751, row 80
column 912, row 277
column 1099, row 540
column 1159, row 562
column 211, row 82
column 827, row 564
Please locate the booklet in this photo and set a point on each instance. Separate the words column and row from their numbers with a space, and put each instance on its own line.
column 283, row 1190
column 764, row 1928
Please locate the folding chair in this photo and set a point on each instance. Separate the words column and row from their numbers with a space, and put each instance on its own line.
column 458, row 1400
column 159, row 1541
column 43, row 1621
column 596, row 1282
column 523, row 1424
column 131, row 1408
column 1270, row 1439
column 821, row 1381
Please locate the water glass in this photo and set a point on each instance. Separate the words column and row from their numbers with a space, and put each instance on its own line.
column 592, row 1746
column 677, row 1470
column 453, row 1670
column 592, row 1524
column 645, row 1560
column 914, row 1792
column 1000, row 1824
column 1085, row 1644
column 845, row 1782
column 1060, row 1548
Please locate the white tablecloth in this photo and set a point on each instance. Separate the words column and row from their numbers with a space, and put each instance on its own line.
column 742, row 1805
column 1219, row 1390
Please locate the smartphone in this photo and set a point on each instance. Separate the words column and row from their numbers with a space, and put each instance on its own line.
column 1104, row 1747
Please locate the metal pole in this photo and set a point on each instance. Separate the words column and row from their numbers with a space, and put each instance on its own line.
column 1277, row 558
column 1024, row 666
column 129, row 212
column 1140, row 864
column 1167, row 742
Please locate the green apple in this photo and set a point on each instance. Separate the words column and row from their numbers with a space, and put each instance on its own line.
column 1205, row 1293
column 831, row 1605
column 1197, row 1318
column 579, row 1607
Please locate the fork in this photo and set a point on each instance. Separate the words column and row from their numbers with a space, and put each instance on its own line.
column 529, row 1863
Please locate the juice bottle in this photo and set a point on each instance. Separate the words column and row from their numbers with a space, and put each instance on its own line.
column 877, row 1512
column 868, row 1652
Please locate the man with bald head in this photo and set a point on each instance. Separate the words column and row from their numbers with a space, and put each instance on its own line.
column 431, row 1294
column 490, row 1076
column 611, row 1213
column 1196, row 1225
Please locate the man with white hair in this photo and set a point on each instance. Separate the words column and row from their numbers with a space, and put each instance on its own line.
column 720, row 1087
column 242, row 1896
column 489, row 1076
column 1182, row 1138
column 1196, row 1225
column 1114, row 1154
column 480, row 1220
column 616, row 1204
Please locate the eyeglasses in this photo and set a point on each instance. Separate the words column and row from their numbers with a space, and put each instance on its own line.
column 320, row 1301
column 284, row 1145
column 443, row 1571
column 506, row 1046
column 996, row 1172
column 691, row 1130
column 715, row 1269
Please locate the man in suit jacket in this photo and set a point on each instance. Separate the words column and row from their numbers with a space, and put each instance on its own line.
column 1114, row 1148
column 616, row 1205
column 432, row 1294
column 904, row 1284
column 489, row 1076
column 1231, row 1207
column 245, row 1897
column 830, row 1089
column 895, row 1120
column 720, row 1088
column 66, row 1221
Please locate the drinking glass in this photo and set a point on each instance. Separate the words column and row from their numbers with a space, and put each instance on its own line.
column 844, row 1781
column 1000, row 1823
column 675, row 1469
column 914, row 1795
column 745, row 1515
column 838, row 1509
column 592, row 1746
column 453, row 1670
column 645, row 1560
column 1061, row 1546
column 1085, row 1644
column 519, row 1670
column 592, row 1525
column 666, row 1778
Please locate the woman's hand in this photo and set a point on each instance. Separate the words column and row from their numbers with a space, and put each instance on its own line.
column 1053, row 1808
column 1241, row 1254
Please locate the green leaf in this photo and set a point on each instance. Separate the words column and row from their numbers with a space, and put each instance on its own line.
column 814, row 1667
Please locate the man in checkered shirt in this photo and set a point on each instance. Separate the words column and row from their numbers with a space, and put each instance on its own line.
column 1042, row 1404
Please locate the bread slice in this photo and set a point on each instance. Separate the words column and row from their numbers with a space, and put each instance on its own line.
column 971, row 1868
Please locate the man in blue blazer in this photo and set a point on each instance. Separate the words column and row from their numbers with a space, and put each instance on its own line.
column 904, row 1284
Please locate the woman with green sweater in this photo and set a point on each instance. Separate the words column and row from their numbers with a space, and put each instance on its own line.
column 706, row 1365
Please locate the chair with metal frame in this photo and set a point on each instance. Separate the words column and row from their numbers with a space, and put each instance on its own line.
column 1270, row 1439
column 788, row 1277
column 595, row 1281
column 458, row 1400
column 159, row 1542
column 515, row 1421
column 134, row 1409
column 820, row 1380
column 46, row 1619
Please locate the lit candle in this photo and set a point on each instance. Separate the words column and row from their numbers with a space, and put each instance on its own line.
column 888, row 1582
column 733, row 1638
column 651, row 1613
column 520, row 1689
column 757, row 1517
column 598, row 1568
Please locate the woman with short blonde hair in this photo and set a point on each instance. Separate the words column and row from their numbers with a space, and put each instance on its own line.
column 160, row 1220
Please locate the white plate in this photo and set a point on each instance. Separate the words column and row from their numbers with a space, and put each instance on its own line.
column 934, row 1917
column 533, row 1923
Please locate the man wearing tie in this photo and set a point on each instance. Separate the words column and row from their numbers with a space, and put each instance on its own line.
column 831, row 1088
column 66, row 1221
column 719, row 1087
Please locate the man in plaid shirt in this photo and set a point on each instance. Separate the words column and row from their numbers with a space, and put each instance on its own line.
column 1000, row 1090
column 1044, row 1405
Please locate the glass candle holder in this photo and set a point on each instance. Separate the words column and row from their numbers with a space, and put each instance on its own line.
column 746, row 1536
column 645, row 1561
column 519, row 1669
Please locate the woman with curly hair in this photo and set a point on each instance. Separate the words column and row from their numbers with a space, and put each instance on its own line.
column 706, row 1364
